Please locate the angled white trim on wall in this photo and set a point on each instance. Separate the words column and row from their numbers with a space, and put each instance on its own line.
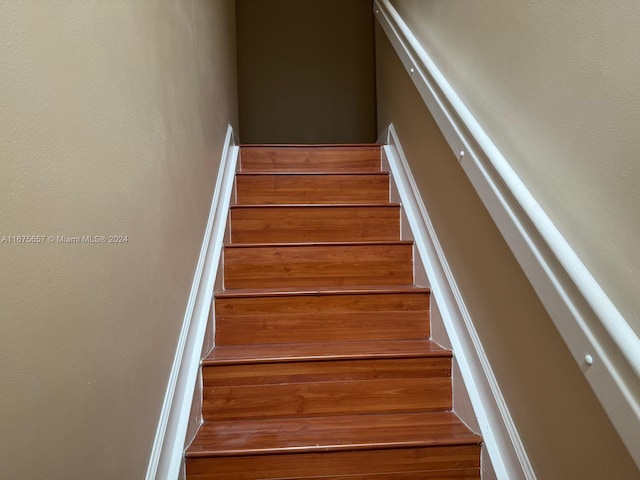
column 500, row 437
column 165, row 461
column 598, row 336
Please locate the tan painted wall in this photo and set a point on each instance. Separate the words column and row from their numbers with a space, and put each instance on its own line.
column 112, row 118
column 306, row 74
column 555, row 85
column 564, row 429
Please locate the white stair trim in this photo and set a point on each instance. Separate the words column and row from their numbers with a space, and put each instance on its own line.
column 600, row 339
column 165, row 461
column 499, row 434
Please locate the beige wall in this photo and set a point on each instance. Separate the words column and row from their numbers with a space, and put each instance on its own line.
column 564, row 429
column 112, row 118
column 306, row 74
column 555, row 85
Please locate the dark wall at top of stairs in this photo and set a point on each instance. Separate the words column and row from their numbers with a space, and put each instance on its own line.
column 306, row 71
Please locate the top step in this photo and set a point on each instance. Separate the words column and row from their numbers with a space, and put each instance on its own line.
column 364, row 158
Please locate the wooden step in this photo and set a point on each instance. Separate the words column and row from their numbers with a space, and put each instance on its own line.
column 325, row 188
column 399, row 463
column 340, row 445
column 310, row 158
column 321, row 315
column 301, row 352
column 326, row 388
column 318, row 264
column 347, row 432
column 465, row 474
column 417, row 380
column 311, row 223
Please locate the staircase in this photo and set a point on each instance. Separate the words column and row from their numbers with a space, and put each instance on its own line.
column 323, row 367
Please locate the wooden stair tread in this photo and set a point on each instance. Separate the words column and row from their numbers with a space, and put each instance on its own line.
column 456, row 474
column 316, row 291
column 310, row 146
column 303, row 173
column 336, row 433
column 320, row 244
column 297, row 352
column 315, row 205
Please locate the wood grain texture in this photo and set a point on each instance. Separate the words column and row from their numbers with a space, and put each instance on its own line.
column 322, row 367
column 307, row 223
column 318, row 158
column 343, row 432
column 326, row 388
column 326, row 398
column 270, row 189
column 353, row 290
column 304, row 265
column 362, row 463
column 292, row 352
column 466, row 474
column 322, row 318
column 324, row 370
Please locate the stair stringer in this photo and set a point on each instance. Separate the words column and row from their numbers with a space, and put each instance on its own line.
column 504, row 456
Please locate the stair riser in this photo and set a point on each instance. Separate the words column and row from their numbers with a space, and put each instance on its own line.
column 315, row 224
column 279, row 373
column 317, row 266
column 328, row 318
column 311, row 189
column 356, row 463
column 303, row 159
column 327, row 398
column 326, row 388
column 466, row 474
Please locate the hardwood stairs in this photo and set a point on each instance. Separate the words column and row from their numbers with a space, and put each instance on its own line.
column 323, row 367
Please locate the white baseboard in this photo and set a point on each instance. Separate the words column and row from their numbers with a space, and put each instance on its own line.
column 600, row 339
column 165, row 461
column 501, row 439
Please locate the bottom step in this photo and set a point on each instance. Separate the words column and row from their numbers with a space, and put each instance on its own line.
column 398, row 464
column 416, row 445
